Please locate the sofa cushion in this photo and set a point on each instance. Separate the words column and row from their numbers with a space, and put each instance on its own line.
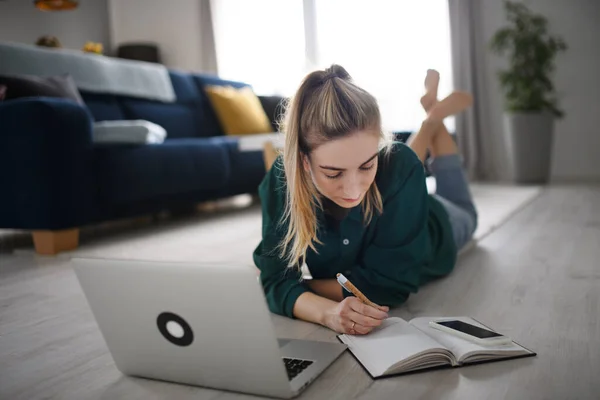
column 210, row 121
column 247, row 167
column 131, row 173
column 185, row 88
column 182, row 119
column 104, row 107
column 247, row 170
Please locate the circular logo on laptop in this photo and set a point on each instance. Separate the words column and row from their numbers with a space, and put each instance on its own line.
column 175, row 329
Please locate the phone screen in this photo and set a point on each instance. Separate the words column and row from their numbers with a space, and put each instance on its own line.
column 469, row 329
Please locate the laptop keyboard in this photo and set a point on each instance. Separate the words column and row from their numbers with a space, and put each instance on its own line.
column 294, row 366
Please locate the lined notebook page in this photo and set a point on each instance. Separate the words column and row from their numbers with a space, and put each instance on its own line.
column 395, row 340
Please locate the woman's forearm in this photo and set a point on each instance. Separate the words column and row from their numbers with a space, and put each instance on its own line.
column 313, row 308
column 328, row 288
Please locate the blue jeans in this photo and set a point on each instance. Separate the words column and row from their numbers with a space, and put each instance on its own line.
column 452, row 190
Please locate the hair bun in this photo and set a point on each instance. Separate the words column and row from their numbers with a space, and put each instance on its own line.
column 336, row 71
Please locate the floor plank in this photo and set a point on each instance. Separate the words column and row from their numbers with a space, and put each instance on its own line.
column 536, row 278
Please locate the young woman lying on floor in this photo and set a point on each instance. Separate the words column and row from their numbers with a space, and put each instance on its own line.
column 343, row 199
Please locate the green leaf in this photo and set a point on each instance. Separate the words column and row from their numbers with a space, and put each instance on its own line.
column 501, row 40
column 531, row 51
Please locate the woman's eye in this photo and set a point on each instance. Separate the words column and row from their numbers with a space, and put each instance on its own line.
column 340, row 174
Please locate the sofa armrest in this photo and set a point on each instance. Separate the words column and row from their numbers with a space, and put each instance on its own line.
column 46, row 177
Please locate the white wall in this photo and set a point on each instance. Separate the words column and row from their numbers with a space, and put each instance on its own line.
column 175, row 26
column 21, row 22
column 577, row 79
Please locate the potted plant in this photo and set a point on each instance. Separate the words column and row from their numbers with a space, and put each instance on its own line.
column 530, row 102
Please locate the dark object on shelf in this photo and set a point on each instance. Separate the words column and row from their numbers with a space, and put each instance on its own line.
column 49, row 41
column 140, row 52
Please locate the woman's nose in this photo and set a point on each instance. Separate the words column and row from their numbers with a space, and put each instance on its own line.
column 351, row 188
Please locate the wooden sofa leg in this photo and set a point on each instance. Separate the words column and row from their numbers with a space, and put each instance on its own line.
column 53, row 242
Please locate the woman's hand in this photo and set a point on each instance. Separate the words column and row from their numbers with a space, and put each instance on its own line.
column 353, row 317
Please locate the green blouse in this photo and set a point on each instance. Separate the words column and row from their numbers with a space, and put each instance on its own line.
column 409, row 244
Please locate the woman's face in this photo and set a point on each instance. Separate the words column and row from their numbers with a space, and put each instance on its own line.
column 344, row 169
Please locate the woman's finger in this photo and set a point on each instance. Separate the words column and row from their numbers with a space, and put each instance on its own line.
column 354, row 328
column 362, row 330
column 364, row 320
column 348, row 325
column 369, row 311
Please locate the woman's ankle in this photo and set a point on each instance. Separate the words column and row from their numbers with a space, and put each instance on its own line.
column 454, row 104
column 443, row 144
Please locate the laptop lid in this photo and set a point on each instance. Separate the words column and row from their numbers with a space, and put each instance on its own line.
column 199, row 324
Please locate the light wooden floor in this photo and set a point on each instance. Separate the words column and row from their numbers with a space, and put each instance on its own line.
column 537, row 278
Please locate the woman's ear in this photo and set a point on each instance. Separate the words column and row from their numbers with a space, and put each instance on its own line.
column 305, row 162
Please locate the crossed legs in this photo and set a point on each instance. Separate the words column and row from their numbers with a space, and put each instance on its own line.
column 452, row 187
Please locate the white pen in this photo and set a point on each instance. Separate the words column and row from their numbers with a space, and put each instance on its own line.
column 346, row 284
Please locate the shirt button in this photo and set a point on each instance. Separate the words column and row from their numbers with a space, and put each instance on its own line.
column 346, row 242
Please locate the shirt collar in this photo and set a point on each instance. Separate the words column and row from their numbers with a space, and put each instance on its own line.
column 354, row 214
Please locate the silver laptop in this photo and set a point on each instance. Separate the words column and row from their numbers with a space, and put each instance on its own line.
column 198, row 324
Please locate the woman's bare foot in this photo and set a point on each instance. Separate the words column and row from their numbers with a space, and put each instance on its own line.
column 455, row 103
column 432, row 81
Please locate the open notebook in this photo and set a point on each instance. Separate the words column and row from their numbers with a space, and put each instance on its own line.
column 398, row 347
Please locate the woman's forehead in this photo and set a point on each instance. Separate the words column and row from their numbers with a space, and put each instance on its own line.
column 348, row 152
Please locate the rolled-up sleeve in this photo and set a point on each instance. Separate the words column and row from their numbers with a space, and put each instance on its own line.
column 282, row 285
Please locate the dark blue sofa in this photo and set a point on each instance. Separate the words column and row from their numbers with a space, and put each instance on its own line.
column 53, row 178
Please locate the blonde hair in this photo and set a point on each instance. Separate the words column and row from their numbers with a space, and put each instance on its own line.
column 327, row 106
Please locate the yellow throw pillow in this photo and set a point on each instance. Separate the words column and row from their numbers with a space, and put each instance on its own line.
column 239, row 110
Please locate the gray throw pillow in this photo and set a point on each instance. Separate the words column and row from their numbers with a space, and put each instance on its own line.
column 274, row 107
column 62, row 86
